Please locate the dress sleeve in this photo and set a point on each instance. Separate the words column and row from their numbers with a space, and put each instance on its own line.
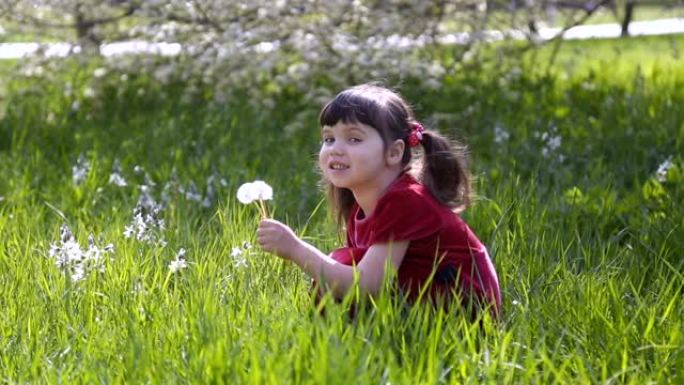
column 404, row 215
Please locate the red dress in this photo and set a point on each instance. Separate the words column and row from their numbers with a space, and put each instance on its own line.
column 440, row 242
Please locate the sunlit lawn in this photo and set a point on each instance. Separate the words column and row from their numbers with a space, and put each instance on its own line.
column 577, row 203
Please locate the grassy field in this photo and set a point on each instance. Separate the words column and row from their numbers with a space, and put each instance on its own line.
column 580, row 183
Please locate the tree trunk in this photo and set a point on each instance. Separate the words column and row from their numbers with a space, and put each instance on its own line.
column 629, row 13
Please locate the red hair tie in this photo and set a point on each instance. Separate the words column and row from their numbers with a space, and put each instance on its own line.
column 416, row 134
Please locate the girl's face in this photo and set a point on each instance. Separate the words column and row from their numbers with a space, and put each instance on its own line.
column 352, row 155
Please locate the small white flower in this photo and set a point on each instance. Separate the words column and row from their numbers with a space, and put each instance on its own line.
column 192, row 194
column 70, row 258
column 240, row 262
column 99, row 72
column 115, row 177
column 128, row 232
column 181, row 253
column 179, row 263
column 89, row 93
column 500, row 134
column 661, row 173
column 79, row 172
column 236, row 252
column 117, row 180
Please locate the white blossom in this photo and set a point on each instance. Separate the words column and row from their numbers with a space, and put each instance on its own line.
column 70, row 258
column 79, row 171
column 192, row 194
column 146, row 225
column 236, row 252
column 663, row 169
column 500, row 134
column 179, row 263
column 115, row 177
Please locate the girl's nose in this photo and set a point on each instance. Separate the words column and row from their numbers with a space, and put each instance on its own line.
column 336, row 147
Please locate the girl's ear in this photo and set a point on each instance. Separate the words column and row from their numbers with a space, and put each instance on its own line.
column 395, row 152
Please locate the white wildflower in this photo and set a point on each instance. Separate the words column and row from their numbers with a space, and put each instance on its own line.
column 78, row 273
column 79, row 172
column 179, row 263
column 551, row 143
column 68, row 251
column 240, row 262
column 500, row 134
column 171, row 187
column 71, row 259
column 88, row 93
column 99, row 72
column 147, row 224
column 95, row 255
column 236, row 252
column 192, row 194
column 663, row 169
column 115, row 177
column 210, row 196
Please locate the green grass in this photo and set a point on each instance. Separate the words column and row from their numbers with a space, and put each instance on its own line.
column 654, row 56
column 587, row 241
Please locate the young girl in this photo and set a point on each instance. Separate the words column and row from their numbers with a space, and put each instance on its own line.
column 391, row 216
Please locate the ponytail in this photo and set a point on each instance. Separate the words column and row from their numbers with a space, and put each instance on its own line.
column 444, row 170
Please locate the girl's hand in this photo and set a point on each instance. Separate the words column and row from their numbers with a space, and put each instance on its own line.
column 277, row 238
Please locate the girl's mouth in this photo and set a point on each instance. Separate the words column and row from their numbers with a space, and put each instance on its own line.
column 338, row 166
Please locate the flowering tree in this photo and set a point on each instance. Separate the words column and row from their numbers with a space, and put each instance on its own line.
column 88, row 20
column 305, row 45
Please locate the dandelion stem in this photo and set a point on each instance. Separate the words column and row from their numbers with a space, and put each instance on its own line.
column 264, row 207
column 261, row 210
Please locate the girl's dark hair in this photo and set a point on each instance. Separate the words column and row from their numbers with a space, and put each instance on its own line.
column 444, row 169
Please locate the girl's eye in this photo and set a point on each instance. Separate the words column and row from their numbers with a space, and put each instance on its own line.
column 328, row 140
column 355, row 140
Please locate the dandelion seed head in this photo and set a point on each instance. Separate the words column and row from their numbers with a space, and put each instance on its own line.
column 257, row 190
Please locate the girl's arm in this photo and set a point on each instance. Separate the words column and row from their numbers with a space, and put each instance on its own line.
column 279, row 239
